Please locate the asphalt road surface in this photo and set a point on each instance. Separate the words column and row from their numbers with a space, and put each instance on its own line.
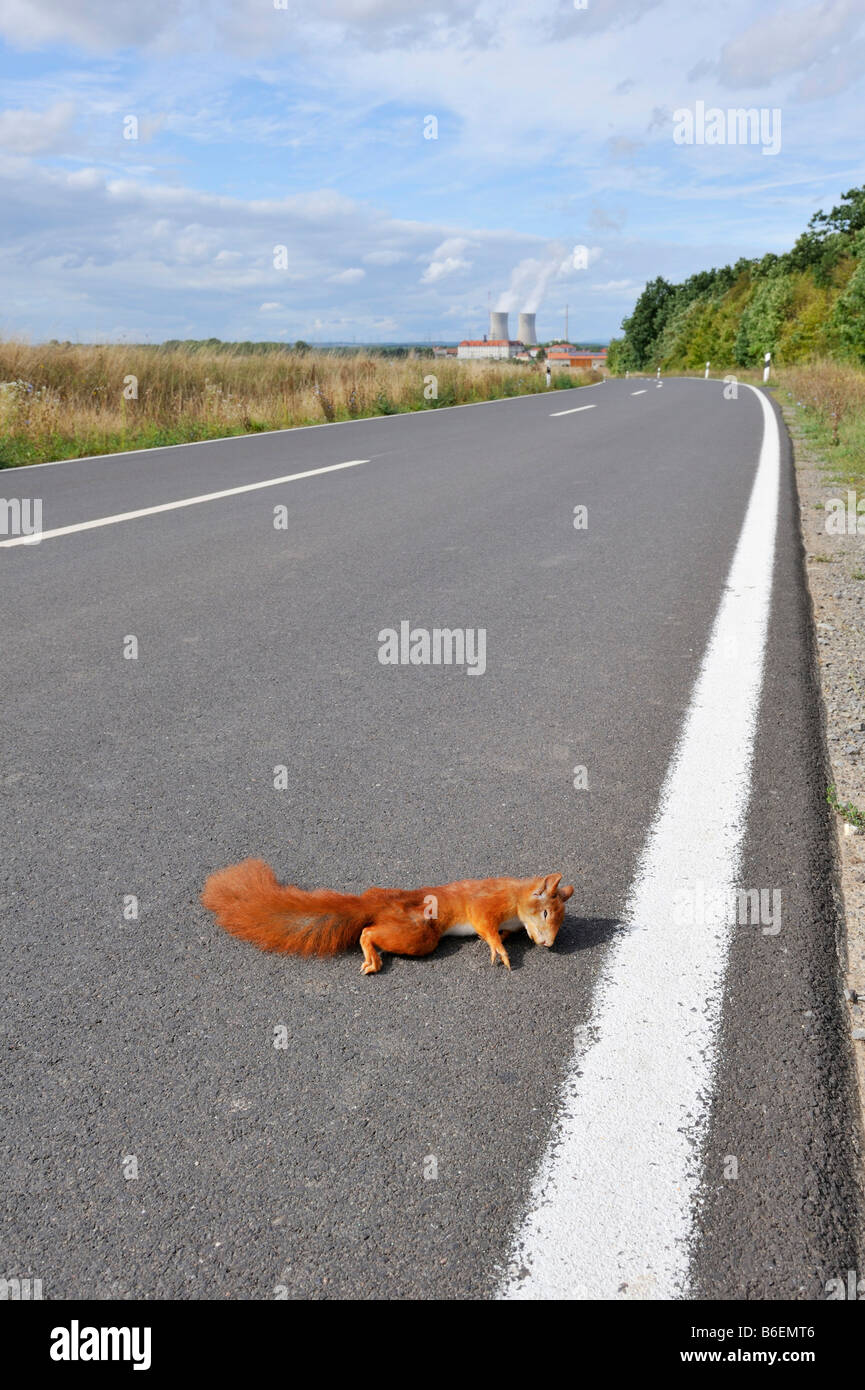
column 156, row 1143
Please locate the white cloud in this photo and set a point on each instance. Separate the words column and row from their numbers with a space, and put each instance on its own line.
column 85, row 178
column 439, row 270
column 179, row 262
column 833, row 75
column 446, row 260
column 349, row 276
column 790, row 41
column 384, row 257
column 598, row 15
column 34, row 132
column 87, row 23
column 243, row 25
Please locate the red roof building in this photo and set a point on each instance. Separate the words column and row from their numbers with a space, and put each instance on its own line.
column 567, row 355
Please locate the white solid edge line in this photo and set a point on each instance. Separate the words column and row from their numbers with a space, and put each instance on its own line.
column 612, row 1203
column 173, row 506
column 574, row 411
column 291, row 429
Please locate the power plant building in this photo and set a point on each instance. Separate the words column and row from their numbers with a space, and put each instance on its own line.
column 526, row 330
column 488, row 347
column 499, row 344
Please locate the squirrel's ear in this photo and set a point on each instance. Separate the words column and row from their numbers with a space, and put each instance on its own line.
column 565, row 893
column 551, row 883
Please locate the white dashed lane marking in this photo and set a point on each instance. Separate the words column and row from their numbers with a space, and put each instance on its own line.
column 173, row 506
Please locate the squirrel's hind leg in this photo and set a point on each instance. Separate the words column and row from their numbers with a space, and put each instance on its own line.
column 399, row 935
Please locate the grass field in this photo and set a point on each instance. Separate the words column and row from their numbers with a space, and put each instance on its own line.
column 67, row 400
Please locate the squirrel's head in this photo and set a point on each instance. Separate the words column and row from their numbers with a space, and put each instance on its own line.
column 542, row 907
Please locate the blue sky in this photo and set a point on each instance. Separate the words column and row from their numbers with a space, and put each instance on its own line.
column 303, row 126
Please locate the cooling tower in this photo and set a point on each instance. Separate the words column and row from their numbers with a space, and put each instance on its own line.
column 499, row 325
column 526, row 329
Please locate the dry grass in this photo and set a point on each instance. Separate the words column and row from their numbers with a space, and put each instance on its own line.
column 835, row 391
column 830, row 401
column 65, row 400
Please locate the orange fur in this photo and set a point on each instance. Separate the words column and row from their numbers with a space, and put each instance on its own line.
column 249, row 901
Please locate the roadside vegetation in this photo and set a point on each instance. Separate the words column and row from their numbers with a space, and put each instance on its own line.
column 830, row 403
column 806, row 307
column 846, row 809
column 807, row 303
column 66, row 400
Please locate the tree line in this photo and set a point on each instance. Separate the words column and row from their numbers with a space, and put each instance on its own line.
column 808, row 301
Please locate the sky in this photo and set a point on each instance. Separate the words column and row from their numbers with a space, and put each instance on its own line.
column 386, row 170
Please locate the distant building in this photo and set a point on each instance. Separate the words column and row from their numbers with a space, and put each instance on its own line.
column 488, row 347
column 444, row 352
column 566, row 355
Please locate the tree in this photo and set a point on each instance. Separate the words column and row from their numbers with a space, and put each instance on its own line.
column 762, row 318
column 848, row 317
column 648, row 319
column 847, row 218
column 619, row 359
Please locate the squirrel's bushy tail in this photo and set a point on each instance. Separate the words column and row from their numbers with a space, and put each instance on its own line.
column 249, row 901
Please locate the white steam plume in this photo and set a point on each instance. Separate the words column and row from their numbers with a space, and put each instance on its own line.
column 530, row 279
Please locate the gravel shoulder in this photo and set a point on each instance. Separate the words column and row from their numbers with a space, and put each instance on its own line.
column 835, row 566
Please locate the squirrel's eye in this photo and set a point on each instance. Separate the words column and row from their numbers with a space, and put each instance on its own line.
column 545, row 914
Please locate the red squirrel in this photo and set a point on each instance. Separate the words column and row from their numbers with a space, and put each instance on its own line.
column 249, row 901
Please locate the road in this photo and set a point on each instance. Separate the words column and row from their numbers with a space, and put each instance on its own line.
column 159, row 1144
